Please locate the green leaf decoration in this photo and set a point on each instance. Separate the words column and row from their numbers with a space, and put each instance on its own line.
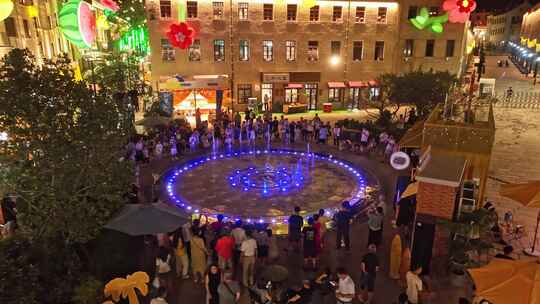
column 423, row 21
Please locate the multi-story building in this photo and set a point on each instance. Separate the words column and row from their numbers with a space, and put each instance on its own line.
column 506, row 26
column 291, row 56
column 530, row 27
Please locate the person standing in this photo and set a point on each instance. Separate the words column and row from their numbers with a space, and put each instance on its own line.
column 249, row 255
column 336, row 132
column 239, row 235
column 323, row 133
column 262, row 239
column 198, row 256
column 182, row 260
column 163, row 267
column 345, row 289
column 375, row 225
column 414, row 284
column 323, row 219
column 273, row 250
column 364, row 138
column 370, row 266
column 211, row 282
column 160, row 297
column 295, row 228
column 224, row 249
column 343, row 221
column 228, row 290
column 310, row 250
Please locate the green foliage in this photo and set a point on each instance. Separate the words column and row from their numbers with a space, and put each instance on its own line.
column 132, row 11
column 29, row 275
column 65, row 147
column 90, row 291
column 116, row 73
column 423, row 89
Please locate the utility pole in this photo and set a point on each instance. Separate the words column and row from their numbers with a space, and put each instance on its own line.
column 231, row 38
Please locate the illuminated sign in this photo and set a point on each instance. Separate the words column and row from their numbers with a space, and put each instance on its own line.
column 400, row 160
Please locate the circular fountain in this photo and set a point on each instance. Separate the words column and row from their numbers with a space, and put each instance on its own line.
column 265, row 185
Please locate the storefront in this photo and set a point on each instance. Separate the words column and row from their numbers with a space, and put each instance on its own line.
column 208, row 93
column 357, row 93
column 336, row 92
column 273, row 90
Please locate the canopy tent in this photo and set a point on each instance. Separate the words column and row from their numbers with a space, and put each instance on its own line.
column 413, row 136
column 508, row 281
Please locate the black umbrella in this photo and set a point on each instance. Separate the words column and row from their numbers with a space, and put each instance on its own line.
column 143, row 219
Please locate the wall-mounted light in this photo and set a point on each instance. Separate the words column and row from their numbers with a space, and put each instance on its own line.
column 334, row 60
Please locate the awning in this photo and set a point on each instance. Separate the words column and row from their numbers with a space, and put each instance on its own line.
column 411, row 190
column 358, row 84
column 336, row 84
column 413, row 136
column 294, row 86
column 373, row 83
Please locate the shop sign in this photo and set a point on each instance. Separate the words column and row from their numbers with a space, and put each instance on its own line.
column 276, row 78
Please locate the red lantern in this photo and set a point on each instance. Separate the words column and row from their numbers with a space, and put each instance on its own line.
column 466, row 6
column 181, row 35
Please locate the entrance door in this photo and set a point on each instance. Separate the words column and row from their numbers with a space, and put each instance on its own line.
column 266, row 96
column 355, row 98
column 291, row 96
column 311, row 93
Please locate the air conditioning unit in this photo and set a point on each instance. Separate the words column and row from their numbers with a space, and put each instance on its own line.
column 467, row 201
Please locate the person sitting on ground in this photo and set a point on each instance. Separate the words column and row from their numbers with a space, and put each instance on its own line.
column 301, row 295
column 228, row 290
column 414, row 284
column 345, row 288
column 507, row 251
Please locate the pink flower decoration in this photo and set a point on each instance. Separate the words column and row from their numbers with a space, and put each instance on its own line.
column 110, row 5
column 459, row 10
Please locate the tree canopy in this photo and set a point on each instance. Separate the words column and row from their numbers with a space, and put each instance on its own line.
column 64, row 149
column 420, row 88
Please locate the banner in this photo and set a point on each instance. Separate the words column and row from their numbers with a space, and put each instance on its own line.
column 166, row 102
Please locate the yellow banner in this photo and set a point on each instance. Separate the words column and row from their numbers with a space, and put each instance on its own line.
column 531, row 43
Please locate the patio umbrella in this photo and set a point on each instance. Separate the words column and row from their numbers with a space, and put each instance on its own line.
column 144, row 219
column 411, row 190
column 508, row 281
column 527, row 194
column 153, row 121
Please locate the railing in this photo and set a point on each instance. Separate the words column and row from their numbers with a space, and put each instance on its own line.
column 520, row 100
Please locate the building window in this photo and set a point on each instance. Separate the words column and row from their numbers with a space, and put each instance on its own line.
column 335, row 48
column 244, row 50
column 26, row 2
column 379, row 51
column 450, row 45
column 11, row 27
column 334, row 94
column 167, row 51
column 268, row 11
column 243, row 10
column 49, row 21
column 358, row 50
column 381, row 15
column 218, row 10
column 192, row 9
column 430, row 47
column 290, row 50
column 165, row 9
column 219, row 50
column 26, row 28
column 314, row 14
column 36, row 24
column 244, row 92
column 194, row 51
column 413, row 11
column 409, row 48
column 337, row 14
column 360, row 14
column 291, row 12
column 291, row 96
column 313, row 50
column 434, row 11
column 268, row 50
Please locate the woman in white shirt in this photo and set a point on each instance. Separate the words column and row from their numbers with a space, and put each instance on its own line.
column 414, row 284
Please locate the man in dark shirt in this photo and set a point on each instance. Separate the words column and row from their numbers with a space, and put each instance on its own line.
column 302, row 295
column 295, row 228
column 343, row 221
column 370, row 266
column 507, row 251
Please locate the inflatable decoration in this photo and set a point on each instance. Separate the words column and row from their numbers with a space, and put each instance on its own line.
column 424, row 20
column 78, row 23
column 181, row 35
column 459, row 10
column 6, row 7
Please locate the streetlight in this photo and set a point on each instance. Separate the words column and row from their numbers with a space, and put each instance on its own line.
column 334, row 60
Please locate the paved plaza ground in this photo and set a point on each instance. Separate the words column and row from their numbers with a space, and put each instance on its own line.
column 516, row 147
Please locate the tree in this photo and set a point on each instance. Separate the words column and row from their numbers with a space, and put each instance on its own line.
column 64, row 149
column 116, row 73
column 423, row 89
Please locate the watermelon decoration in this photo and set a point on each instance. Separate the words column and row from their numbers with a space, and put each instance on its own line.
column 78, row 23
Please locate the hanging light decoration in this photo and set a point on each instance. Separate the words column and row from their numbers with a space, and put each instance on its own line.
column 181, row 35
column 6, row 7
column 78, row 23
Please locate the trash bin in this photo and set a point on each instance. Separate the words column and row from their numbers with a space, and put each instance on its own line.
column 327, row 107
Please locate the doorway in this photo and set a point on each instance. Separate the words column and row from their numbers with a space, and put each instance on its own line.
column 266, row 96
column 355, row 98
column 311, row 94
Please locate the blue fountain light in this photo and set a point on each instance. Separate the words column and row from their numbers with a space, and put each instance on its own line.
column 268, row 180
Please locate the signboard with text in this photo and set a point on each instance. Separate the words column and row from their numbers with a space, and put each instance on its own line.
column 275, row 78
